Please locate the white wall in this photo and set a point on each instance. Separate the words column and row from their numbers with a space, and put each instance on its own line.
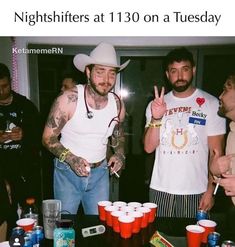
column 22, row 42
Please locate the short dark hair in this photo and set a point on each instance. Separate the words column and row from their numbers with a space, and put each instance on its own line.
column 4, row 72
column 231, row 75
column 178, row 55
column 68, row 74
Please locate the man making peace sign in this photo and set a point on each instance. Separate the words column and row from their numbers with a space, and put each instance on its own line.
column 182, row 127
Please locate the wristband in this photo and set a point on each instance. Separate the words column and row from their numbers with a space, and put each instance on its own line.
column 157, row 119
column 155, row 125
column 63, row 155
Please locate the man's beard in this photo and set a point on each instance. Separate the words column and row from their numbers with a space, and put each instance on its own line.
column 221, row 111
column 182, row 88
column 94, row 88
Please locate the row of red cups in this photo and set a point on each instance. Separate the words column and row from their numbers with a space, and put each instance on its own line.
column 127, row 218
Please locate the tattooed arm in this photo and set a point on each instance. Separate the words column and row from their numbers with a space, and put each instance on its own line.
column 62, row 110
column 117, row 160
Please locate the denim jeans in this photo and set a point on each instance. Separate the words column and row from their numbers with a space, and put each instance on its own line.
column 72, row 189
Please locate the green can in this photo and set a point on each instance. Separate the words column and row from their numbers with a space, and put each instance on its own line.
column 64, row 234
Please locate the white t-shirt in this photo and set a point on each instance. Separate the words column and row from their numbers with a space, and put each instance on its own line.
column 181, row 160
column 88, row 137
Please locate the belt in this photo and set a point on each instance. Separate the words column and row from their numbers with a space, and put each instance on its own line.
column 96, row 164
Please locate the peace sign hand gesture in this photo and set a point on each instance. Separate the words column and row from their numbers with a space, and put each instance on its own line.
column 158, row 105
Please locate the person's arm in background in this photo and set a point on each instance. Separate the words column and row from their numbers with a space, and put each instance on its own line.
column 228, row 183
column 221, row 164
column 221, row 167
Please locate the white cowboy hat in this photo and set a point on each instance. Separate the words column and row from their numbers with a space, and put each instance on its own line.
column 104, row 54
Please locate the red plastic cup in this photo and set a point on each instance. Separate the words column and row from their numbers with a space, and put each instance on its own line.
column 127, row 209
column 126, row 224
column 138, row 219
column 209, row 226
column 134, row 204
column 26, row 223
column 153, row 207
column 108, row 216
column 146, row 213
column 101, row 206
column 115, row 215
column 194, row 235
column 119, row 204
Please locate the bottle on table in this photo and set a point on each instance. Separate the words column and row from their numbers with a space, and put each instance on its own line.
column 31, row 210
column 64, row 234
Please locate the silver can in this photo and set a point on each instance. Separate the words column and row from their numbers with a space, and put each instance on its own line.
column 228, row 243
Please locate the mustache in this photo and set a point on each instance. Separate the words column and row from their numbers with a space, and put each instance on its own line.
column 181, row 81
column 105, row 84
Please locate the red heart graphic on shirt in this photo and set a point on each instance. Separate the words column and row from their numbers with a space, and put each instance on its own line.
column 200, row 101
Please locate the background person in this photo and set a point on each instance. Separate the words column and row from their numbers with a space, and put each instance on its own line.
column 68, row 82
column 86, row 116
column 19, row 142
column 182, row 127
column 224, row 166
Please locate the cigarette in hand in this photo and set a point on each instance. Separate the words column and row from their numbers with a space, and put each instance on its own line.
column 217, row 186
column 116, row 174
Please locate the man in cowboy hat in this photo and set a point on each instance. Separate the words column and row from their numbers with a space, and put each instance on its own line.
column 86, row 117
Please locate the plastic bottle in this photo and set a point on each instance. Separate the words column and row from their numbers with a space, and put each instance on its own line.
column 31, row 210
column 64, row 234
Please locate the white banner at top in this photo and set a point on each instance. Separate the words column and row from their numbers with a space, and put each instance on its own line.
column 118, row 18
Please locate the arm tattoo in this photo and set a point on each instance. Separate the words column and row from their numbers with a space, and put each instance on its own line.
column 56, row 118
column 118, row 137
column 72, row 98
column 118, row 140
column 55, row 146
column 56, row 121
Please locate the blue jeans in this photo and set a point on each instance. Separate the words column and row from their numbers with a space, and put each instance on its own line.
column 73, row 190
